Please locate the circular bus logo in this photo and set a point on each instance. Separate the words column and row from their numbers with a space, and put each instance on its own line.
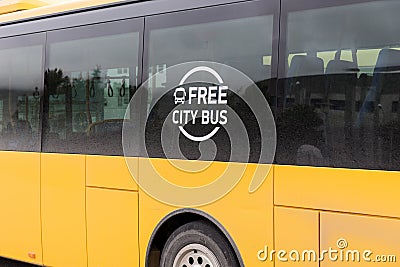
column 194, row 127
column 211, row 95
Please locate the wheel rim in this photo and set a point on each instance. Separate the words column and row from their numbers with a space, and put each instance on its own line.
column 195, row 255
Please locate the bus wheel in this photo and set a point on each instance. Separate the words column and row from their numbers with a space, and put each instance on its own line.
column 197, row 244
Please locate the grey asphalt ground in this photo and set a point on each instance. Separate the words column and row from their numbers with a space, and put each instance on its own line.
column 9, row 263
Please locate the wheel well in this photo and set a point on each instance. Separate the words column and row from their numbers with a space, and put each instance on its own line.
column 173, row 221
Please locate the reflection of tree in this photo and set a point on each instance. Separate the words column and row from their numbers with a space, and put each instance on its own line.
column 56, row 82
column 297, row 126
column 79, row 90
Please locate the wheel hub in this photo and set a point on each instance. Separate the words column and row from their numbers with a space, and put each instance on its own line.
column 195, row 255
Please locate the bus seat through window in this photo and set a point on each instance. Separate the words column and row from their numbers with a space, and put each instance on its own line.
column 305, row 76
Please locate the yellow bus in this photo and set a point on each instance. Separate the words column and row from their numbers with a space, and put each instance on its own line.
column 79, row 188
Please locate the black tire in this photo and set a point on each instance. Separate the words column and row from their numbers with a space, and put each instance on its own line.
column 197, row 243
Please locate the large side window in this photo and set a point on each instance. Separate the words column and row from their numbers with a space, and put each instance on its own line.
column 339, row 92
column 237, row 35
column 21, row 85
column 91, row 74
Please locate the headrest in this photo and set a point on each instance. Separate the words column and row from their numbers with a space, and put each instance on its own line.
column 337, row 66
column 305, row 66
column 388, row 60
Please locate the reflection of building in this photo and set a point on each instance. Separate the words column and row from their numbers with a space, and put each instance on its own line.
column 104, row 95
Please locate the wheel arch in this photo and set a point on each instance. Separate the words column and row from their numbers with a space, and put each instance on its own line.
column 179, row 217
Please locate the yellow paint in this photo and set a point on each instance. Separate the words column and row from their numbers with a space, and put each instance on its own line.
column 379, row 235
column 196, row 184
column 109, row 230
column 63, row 210
column 357, row 191
column 110, row 172
column 85, row 208
column 20, row 231
column 296, row 229
column 112, row 224
column 185, row 173
column 8, row 6
column 248, row 218
column 52, row 9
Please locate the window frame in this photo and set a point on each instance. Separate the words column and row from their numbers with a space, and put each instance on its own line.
column 212, row 13
column 133, row 25
column 28, row 40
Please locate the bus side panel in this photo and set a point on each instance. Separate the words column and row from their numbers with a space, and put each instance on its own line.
column 112, row 224
column 63, row 210
column 20, row 232
column 296, row 229
column 110, row 172
column 358, row 191
column 247, row 217
column 359, row 240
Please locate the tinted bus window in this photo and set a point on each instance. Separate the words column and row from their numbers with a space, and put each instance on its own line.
column 91, row 74
column 21, row 67
column 339, row 93
column 237, row 35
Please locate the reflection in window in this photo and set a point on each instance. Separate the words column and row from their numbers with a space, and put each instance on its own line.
column 221, row 41
column 341, row 82
column 20, row 79
column 244, row 43
column 89, row 85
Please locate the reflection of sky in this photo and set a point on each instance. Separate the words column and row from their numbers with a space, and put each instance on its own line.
column 241, row 43
column 116, row 51
column 370, row 24
column 20, row 68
